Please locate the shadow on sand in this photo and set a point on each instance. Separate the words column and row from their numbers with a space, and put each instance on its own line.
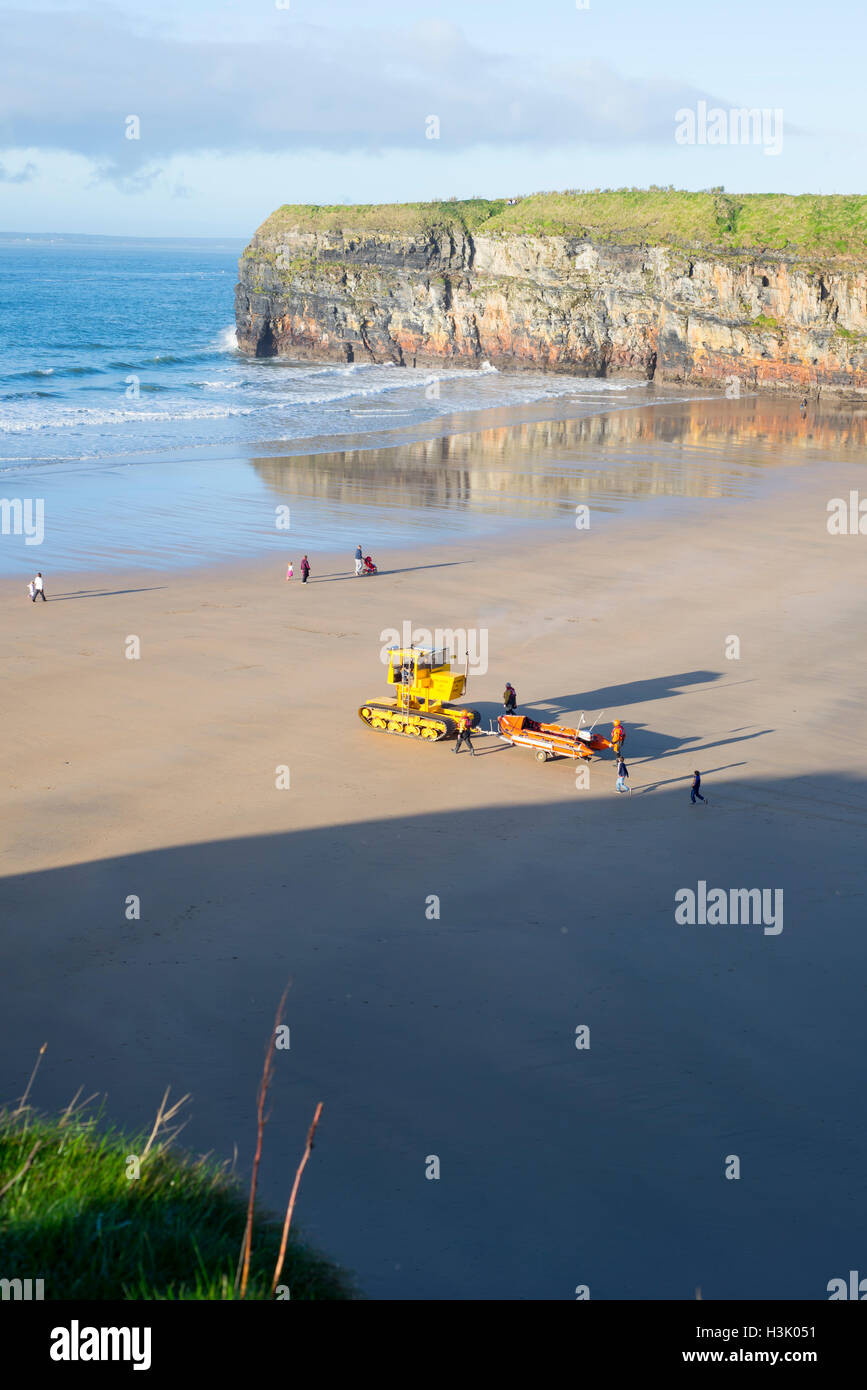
column 102, row 593
column 454, row 1033
column 643, row 744
column 612, row 699
column 382, row 573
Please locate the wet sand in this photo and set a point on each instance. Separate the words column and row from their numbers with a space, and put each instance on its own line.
column 455, row 1036
column 496, row 472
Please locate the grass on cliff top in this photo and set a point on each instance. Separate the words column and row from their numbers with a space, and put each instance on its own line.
column 75, row 1219
column 802, row 226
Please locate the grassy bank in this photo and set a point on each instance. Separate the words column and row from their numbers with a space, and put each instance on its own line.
column 78, row 1218
column 833, row 227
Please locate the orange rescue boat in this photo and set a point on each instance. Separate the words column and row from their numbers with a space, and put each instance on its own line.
column 550, row 740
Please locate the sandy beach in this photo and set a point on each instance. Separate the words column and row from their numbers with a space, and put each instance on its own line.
column 455, row 1036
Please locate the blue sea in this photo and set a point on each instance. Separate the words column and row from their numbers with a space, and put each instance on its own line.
column 117, row 349
column 130, row 419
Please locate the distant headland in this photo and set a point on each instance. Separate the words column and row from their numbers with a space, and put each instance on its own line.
column 740, row 292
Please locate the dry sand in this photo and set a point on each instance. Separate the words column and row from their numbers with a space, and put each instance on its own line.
column 455, row 1037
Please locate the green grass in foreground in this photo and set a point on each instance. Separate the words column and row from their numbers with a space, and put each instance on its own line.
column 807, row 225
column 77, row 1221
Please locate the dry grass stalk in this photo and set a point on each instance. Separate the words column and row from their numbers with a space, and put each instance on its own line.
column 164, row 1117
column 295, row 1186
column 261, row 1097
column 73, row 1109
column 22, row 1104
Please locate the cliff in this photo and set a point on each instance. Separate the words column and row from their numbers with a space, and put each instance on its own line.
column 701, row 288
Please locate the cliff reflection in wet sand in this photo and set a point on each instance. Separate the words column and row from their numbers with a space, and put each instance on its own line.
column 694, row 449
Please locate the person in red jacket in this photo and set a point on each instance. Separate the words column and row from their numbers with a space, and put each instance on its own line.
column 305, row 569
column 618, row 737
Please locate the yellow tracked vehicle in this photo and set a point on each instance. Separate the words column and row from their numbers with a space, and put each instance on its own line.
column 424, row 686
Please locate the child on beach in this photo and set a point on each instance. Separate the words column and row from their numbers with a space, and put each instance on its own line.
column 289, row 570
column 622, row 783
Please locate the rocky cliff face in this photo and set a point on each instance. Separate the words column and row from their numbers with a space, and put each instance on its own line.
column 553, row 302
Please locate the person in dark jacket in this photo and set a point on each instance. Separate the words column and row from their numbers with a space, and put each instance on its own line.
column 510, row 698
column 305, row 569
column 695, row 794
column 622, row 783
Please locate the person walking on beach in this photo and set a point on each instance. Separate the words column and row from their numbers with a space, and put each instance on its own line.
column 618, row 737
column 510, row 698
column 359, row 560
column 465, row 723
column 290, row 573
column 38, row 587
column 695, row 794
column 305, row 569
column 622, row 783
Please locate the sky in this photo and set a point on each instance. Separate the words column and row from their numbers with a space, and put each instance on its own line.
column 199, row 117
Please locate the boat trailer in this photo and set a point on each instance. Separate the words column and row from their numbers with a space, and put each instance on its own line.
column 550, row 740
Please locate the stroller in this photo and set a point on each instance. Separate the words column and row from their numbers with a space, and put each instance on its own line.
column 368, row 566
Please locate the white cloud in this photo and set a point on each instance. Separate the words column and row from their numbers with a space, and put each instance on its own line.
column 69, row 80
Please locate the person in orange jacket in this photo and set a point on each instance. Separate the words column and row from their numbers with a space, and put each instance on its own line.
column 465, row 723
column 618, row 737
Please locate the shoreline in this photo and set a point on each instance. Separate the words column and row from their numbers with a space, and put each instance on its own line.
column 334, row 565
column 514, row 479
column 852, row 407
column 454, row 422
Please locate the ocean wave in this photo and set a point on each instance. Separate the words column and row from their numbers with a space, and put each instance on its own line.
column 32, row 396
column 289, row 403
column 58, row 373
column 146, row 361
column 70, row 417
column 83, row 417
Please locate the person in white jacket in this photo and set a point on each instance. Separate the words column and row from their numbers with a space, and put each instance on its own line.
column 38, row 586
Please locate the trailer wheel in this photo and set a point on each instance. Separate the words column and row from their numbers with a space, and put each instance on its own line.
column 541, row 756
